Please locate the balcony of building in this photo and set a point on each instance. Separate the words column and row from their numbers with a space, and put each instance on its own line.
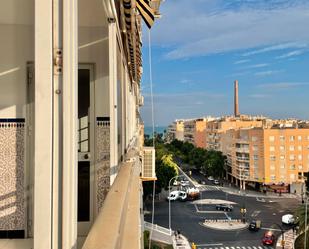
column 69, row 99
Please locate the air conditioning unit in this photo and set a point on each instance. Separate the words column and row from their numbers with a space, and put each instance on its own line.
column 148, row 164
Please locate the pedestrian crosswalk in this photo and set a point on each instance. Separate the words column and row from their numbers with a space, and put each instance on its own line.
column 209, row 188
column 214, row 246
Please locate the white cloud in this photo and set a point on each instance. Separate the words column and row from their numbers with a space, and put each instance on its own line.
column 282, row 85
column 268, row 73
column 277, row 47
column 257, row 65
column 205, row 28
column 241, row 61
column 291, row 54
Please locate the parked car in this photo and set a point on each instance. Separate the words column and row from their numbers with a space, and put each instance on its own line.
column 288, row 219
column 254, row 225
column 224, row 207
column 268, row 239
column 216, row 182
column 210, row 178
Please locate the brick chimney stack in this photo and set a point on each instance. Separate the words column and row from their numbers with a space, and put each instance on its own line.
column 236, row 107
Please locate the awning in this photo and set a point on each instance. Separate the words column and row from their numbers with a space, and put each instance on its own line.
column 146, row 12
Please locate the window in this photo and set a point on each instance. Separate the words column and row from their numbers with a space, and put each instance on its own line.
column 300, row 167
column 292, row 148
column 282, row 166
column 273, row 177
column 299, row 147
column 292, row 138
column 272, row 158
column 282, row 177
column 272, row 148
column 282, row 138
column 299, row 138
column 292, row 166
column 272, row 167
column 271, row 138
column 282, row 148
column 282, row 157
column 292, row 157
column 300, row 157
column 255, row 157
column 254, row 139
column 255, row 148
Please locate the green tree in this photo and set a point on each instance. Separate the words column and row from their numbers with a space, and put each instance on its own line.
column 301, row 214
column 165, row 170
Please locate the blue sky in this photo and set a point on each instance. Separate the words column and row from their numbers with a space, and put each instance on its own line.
column 199, row 47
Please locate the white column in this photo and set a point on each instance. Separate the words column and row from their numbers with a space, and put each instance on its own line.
column 113, row 96
column 70, row 78
column 43, row 125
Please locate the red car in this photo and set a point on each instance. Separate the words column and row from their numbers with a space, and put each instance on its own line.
column 269, row 238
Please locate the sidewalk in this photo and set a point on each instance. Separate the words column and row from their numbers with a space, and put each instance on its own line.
column 181, row 242
column 289, row 237
column 230, row 189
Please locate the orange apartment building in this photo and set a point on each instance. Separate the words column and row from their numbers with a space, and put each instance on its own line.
column 175, row 131
column 216, row 129
column 195, row 131
column 275, row 158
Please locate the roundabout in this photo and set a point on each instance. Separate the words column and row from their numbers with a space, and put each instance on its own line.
column 224, row 225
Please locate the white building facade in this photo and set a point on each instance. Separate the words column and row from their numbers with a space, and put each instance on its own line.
column 70, row 76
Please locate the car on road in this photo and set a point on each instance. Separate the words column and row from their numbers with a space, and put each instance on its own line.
column 210, row 178
column 268, row 238
column 177, row 195
column 224, row 207
column 216, row 182
column 184, row 183
column 254, row 225
column 288, row 219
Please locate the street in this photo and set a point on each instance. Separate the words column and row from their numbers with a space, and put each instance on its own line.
column 188, row 218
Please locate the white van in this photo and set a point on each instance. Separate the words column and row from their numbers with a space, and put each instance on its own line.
column 177, row 195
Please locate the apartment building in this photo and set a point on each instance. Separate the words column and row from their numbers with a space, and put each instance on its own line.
column 189, row 130
column 70, row 76
column 275, row 157
column 175, row 131
column 216, row 129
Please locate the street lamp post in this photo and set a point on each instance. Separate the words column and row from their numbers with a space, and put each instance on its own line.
column 282, row 234
column 305, row 241
column 169, row 202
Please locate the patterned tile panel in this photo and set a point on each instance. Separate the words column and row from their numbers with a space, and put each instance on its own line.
column 102, row 159
column 12, row 150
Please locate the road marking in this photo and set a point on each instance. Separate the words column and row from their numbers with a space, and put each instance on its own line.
column 255, row 213
column 270, row 229
column 217, row 244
